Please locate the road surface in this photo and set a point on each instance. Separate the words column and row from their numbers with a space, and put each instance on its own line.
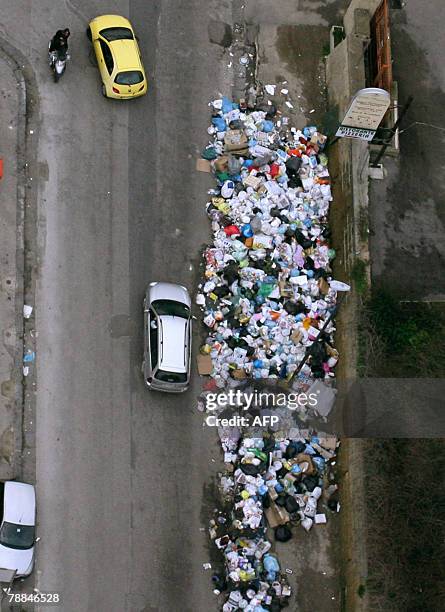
column 120, row 472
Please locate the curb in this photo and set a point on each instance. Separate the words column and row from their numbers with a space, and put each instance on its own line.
column 25, row 255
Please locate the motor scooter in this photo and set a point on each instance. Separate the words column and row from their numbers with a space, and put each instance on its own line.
column 57, row 62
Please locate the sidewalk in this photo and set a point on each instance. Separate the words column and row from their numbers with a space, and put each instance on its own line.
column 11, row 280
column 290, row 49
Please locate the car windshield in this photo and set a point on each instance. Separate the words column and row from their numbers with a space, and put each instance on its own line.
column 171, row 377
column 132, row 77
column 17, row 536
column 171, row 308
column 111, row 34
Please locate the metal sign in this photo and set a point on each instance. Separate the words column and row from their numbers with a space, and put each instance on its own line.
column 350, row 132
column 364, row 114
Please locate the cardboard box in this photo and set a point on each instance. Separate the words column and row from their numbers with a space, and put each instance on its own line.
column 253, row 181
column 276, row 515
column 204, row 363
column 239, row 374
column 203, row 165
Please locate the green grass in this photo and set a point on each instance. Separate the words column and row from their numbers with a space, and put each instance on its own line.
column 358, row 275
column 402, row 339
column 404, row 478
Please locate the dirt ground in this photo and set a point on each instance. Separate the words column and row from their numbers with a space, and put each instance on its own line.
column 292, row 57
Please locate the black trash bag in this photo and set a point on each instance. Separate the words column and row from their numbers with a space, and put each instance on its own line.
column 326, row 233
column 275, row 606
column 221, row 291
column 266, row 500
column 269, row 445
column 230, row 275
column 320, row 273
column 282, row 472
column 309, row 263
column 219, row 582
column 281, row 500
column 250, row 469
column 291, row 308
column 269, row 109
column 293, row 165
column 282, row 533
column 318, row 353
column 310, row 482
column 332, row 502
column 291, row 504
column 299, row 446
column 295, row 182
column 318, row 372
column 302, row 240
column 294, row 308
column 290, row 451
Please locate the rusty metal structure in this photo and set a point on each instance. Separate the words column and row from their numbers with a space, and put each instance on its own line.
column 380, row 48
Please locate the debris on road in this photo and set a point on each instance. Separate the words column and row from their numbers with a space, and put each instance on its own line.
column 267, row 300
column 276, row 483
column 27, row 311
column 268, row 289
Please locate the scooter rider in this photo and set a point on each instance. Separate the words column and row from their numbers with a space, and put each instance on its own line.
column 59, row 41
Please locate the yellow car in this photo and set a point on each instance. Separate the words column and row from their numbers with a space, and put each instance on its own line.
column 118, row 57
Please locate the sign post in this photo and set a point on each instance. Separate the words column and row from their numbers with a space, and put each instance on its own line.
column 363, row 117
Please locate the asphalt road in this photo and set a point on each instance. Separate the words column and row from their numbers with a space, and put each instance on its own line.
column 120, row 472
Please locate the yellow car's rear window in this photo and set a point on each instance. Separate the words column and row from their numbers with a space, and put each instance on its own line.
column 130, row 77
column 111, row 34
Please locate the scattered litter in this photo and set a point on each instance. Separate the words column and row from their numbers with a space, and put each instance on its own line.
column 289, row 104
column 284, row 91
column 27, row 311
column 29, row 356
column 207, row 566
column 270, row 89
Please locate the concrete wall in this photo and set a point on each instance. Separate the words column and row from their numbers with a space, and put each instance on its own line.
column 349, row 20
column 345, row 75
column 349, row 162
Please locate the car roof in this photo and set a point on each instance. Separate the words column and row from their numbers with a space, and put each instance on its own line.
column 172, row 343
column 19, row 504
column 170, row 291
column 125, row 55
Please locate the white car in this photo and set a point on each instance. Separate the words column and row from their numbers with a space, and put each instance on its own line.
column 167, row 337
column 17, row 530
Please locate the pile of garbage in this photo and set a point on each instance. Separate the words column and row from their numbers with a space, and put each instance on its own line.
column 271, row 482
column 268, row 292
column 268, row 300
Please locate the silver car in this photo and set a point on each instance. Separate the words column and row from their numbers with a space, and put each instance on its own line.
column 167, row 337
column 17, row 529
